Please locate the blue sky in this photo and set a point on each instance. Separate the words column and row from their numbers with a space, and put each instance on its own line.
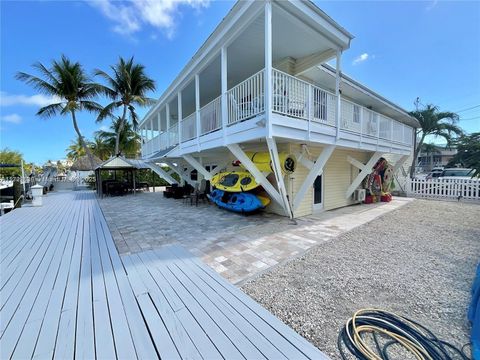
column 401, row 50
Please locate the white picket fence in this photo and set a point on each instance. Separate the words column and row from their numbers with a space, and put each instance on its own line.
column 444, row 189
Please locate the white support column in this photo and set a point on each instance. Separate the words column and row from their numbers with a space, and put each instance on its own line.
column 338, row 72
column 167, row 114
column 224, row 103
column 316, row 170
column 257, row 174
column 277, row 170
column 310, row 109
column 179, row 121
column 151, row 128
column 268, row 66
column 197, row 107
column 367, row 169
column 197, row 166
column 159, row 122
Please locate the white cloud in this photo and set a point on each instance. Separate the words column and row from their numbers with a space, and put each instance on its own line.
column 29, row 100
column 12, row 118
column 104, row 128
column 361, row 58
column 130, row 16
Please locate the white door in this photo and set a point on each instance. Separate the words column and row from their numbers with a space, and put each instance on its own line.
column 318, row 194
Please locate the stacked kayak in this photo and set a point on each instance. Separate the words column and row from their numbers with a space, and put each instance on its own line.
column 240, row 202
column 234, row 181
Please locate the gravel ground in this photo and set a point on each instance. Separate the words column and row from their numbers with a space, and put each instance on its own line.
column 418, row 261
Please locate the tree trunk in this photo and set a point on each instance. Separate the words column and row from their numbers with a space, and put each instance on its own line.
column 82, row 141
column 415, row 156
column 119, row 131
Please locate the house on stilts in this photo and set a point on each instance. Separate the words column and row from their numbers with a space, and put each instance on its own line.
column 261, row 83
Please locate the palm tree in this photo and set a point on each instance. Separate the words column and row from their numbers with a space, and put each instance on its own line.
column 67, row 82
column 128, row 139
column 76, row 149
column 127, row 88
column 102, row 149
column 434, row 122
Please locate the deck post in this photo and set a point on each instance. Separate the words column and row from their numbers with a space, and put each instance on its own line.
column 268, row 67
column 277, row 171
column 151, row 129
column 197, row 108
column 257, row 174
column 338, row 71
column 315, row 170
column 167, row 114
column 179, row 121
column 159, row 122
column 224, row 103
column 366, row 169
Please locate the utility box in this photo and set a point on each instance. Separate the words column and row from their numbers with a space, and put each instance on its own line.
column 37, row 194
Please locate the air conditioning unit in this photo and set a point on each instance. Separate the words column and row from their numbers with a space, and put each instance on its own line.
column 359, row 195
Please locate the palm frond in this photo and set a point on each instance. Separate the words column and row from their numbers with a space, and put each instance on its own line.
column 50, row 110
column 38, row 84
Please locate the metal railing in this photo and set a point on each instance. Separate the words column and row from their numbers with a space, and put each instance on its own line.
column 246, row 99
column 189, row 127
column 211, row 116
column 173, row 134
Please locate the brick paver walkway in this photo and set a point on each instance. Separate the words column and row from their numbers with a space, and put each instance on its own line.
column 236, row 246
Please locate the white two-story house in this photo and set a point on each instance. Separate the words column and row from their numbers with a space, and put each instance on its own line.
column 261, row 83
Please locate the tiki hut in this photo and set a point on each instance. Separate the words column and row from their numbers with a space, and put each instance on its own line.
column 83, row 164
column 83, row 169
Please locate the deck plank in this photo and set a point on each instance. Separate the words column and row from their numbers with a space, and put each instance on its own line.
column 26, row 296
column 45, row 344
column 28, row 338
column 67, row 293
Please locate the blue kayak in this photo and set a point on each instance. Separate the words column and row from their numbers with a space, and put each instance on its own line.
column 238, row 202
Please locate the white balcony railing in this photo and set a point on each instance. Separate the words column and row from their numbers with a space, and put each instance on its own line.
column 246, row 99
column 189, row 127
column 173, row 134
column 292, row 97
column 211, row 116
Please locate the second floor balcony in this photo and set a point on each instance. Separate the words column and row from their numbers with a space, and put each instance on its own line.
column 301, row 110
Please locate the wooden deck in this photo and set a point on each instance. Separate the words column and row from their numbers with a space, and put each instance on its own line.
column 66, row 293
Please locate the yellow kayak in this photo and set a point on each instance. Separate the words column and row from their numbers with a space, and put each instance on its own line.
column 264, row 200
column 234, row 181
column 263, row 161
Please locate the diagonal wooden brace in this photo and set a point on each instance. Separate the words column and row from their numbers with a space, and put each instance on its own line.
column 315, row 170
column 277, row 170
column 257, row 174
column 365, row 170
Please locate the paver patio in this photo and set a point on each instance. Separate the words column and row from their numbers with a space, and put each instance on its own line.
column 236, row 246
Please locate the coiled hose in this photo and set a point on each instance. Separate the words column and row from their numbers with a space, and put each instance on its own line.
column 370, row 334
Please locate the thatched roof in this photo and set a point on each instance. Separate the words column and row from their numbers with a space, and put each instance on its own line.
column 83, row 164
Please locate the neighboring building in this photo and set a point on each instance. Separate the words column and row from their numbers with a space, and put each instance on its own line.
column 440, row 157
column 260, row 83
